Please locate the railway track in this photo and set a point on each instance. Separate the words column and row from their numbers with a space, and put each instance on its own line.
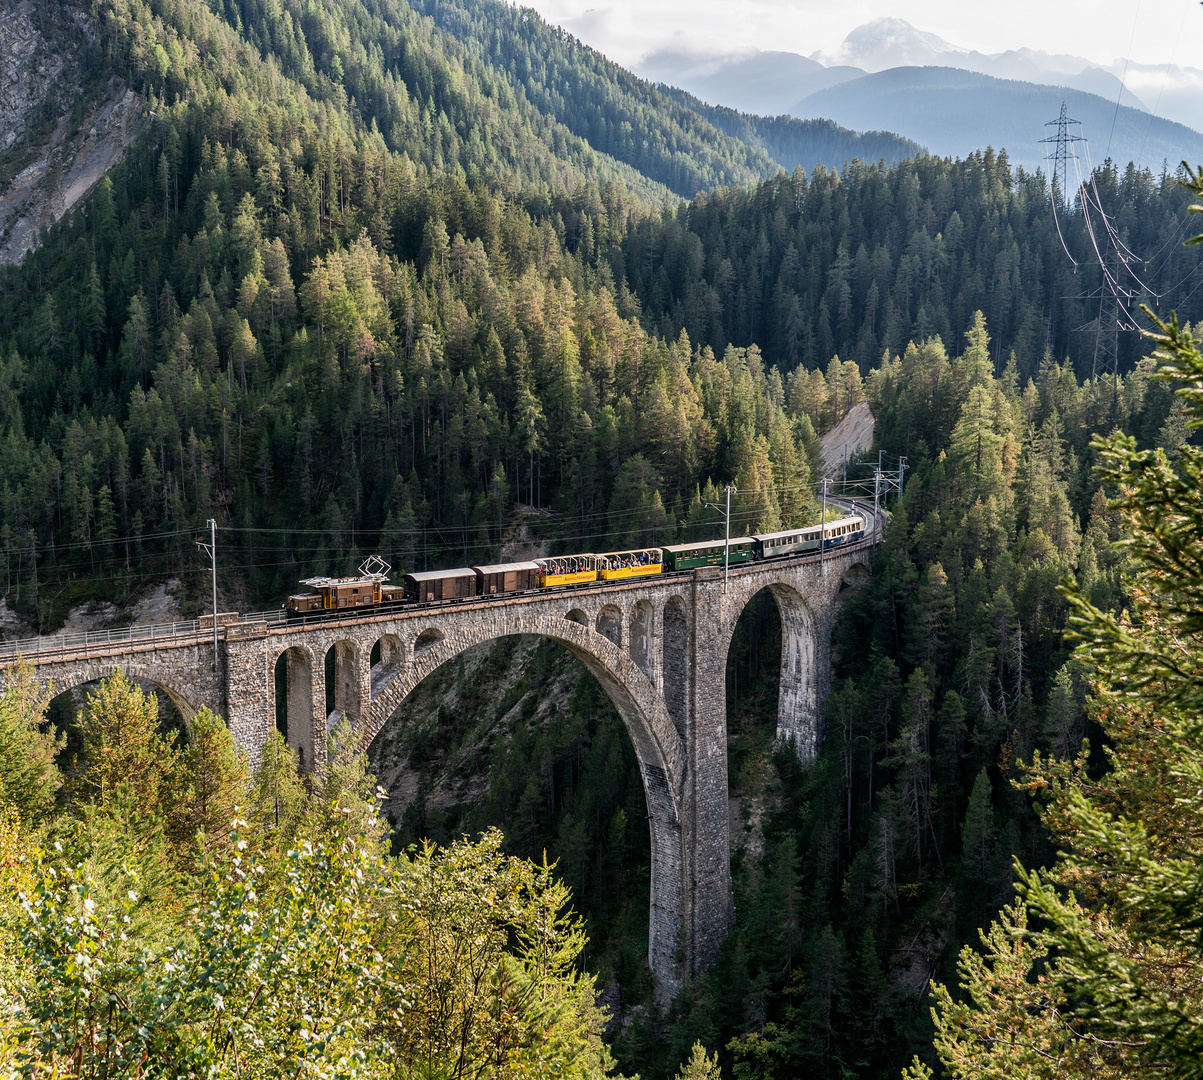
column 154, row 635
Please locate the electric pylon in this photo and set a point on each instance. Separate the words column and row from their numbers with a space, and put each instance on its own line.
column 1115, row 259
column 1064, row 152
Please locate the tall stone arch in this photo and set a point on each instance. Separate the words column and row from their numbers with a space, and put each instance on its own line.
column 675, row 660
column 800, row 687
column 343, row 686
column 657, row 744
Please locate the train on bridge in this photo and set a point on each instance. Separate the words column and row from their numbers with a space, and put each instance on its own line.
column 372, row 589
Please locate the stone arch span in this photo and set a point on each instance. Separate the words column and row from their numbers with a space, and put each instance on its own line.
column 854, row 575
column 59, row 678
column 798, row 694
column 658, row 748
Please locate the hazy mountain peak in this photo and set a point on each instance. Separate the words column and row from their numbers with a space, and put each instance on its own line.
column 889, row 42
column 762, row 83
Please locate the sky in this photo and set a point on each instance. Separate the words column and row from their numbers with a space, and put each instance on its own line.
column 1145, row 31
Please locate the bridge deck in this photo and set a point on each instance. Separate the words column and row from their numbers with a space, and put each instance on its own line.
column 151, row 637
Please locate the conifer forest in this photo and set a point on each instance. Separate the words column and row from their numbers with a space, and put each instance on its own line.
column 434, row 279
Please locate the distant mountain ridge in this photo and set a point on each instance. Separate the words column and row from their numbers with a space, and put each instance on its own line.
column 954, row 112
column 1002, row 86
column 889, row 43
column 759, row 83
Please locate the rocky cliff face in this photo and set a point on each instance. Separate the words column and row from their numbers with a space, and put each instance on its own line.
column 62, row 123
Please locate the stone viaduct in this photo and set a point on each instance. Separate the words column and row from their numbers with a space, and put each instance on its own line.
column 657, row 646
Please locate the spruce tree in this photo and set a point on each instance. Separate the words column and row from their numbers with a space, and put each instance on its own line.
column 1109, row 984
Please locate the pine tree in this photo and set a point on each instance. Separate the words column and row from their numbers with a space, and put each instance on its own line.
column 1110, row 983
column 207, row 787
column 122, row 744
column 700, row 1065
column 29, row 777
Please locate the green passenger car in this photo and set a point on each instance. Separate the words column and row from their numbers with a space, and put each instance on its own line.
column 708, row 553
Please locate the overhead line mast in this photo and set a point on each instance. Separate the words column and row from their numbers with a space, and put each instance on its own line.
column 1114, row 257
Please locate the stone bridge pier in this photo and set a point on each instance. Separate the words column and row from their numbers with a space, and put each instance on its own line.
column 657, row 646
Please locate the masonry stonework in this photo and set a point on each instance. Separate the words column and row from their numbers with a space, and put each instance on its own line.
column 658, row 647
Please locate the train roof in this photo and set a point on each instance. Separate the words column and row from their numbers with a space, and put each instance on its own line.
column 803, row 528
column 338, row 582
column 707, row 543
column 785, row 532
column 436, row 575
column 506, row 567
column 372, row 571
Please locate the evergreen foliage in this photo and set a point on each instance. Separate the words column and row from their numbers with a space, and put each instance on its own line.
column 290, row 942
column 377, row 274
column 1094, row 971
column 792, row 142
column 350, row 282
column 863, row 873
column 29, row 777
column 617, row 113
column 862, row 261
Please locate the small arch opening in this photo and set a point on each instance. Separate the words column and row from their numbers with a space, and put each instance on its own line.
column 342, row 683
column 294, row 702
column 384, row 662
column 426, row 639
column 641, row 637
column 853, row 577
column 674, row 660
column 577, row 616
column 609, row 624
column 282, row 694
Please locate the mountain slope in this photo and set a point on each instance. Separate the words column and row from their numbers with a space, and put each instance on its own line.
column 427, row 94
column 954, row 112
column 809, row 143
column 64, row 120
column 670, row 136
column 617, row 112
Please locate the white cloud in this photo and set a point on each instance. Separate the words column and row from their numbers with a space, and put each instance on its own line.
column 627, row 30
